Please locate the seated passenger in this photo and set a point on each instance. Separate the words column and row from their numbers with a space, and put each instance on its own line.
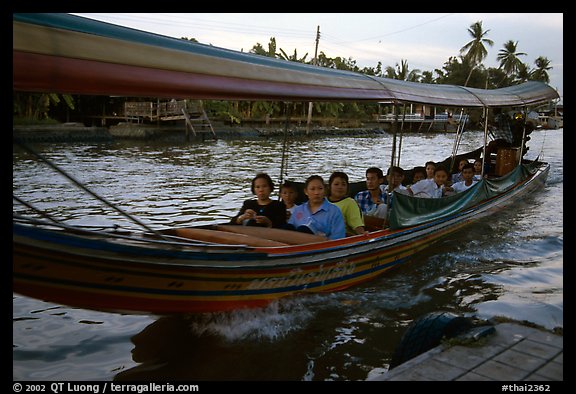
column 288, row 195
column 395, row 177
column 262, row 211
column 431, row 188
column 430, row 166
column 369, row 199
column 317, row 215
column 468, row 182
column 478, row 169
column 457, row 177
column 338, row 195
column 418, row 173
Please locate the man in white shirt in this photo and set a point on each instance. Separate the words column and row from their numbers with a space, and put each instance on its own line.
column 468, row 176
column 432, row 187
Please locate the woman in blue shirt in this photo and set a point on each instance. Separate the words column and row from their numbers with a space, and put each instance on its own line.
column 318, row 215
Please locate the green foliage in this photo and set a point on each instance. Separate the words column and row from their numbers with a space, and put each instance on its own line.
column 540, row 73
column 474, row 51
column 35, row 106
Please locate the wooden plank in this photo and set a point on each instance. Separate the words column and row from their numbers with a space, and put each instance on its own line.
column 273, row 234
column 223, row 237
column 188, row 122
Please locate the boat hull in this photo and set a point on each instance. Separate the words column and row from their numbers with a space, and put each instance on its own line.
column 143, row 277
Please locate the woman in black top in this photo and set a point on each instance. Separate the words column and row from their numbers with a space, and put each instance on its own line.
column 263, row 211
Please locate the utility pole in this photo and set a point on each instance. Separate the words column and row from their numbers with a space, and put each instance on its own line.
column 314, row 62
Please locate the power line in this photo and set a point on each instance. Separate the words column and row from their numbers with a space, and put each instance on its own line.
column 346, row 43
column 195, row 24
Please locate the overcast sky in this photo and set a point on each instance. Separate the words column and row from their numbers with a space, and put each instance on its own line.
column 425, row 40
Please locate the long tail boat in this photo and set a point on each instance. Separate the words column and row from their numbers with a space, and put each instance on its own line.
column 220, row 267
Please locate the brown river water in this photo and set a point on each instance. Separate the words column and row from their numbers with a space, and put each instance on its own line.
column 510, row 265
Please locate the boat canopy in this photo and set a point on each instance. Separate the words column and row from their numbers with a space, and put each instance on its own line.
column 411, row 211
column 65, row 53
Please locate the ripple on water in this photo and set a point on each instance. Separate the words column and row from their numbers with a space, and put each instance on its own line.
column 509, row 265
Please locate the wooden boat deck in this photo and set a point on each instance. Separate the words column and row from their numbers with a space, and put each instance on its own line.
column 513, row 353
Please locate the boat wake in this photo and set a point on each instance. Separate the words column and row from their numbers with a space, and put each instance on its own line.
column 271, row 323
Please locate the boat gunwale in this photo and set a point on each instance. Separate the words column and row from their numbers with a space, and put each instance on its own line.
column 262, row 257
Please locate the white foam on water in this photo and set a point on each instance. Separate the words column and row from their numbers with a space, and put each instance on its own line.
column 271, row 323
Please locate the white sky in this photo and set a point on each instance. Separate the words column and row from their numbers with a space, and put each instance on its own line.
column 425, row 40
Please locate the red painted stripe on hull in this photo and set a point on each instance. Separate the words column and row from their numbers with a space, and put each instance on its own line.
column 77, row 76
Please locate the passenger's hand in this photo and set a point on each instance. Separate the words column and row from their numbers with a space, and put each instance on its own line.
column 249, row 214
column 263, row 220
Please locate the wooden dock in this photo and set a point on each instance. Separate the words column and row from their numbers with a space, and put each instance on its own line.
column 191, row 111
column 513, row 352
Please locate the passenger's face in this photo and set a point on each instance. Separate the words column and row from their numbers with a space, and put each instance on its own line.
column 288, row 195
column 315, row 191
column 430, row 171
column 339, row 188
column 478, row 166
column 417, row 177
column 440, row 177
column 468, row 174
column 262, row 189
column 372, row 181
column 395, row 180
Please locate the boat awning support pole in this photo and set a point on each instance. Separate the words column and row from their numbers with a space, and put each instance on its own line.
column 284, row 163
column 485, row 139
column 401, row 133
column 87, row 190
column 523, row 141
column 459, row 132
column 394, row 129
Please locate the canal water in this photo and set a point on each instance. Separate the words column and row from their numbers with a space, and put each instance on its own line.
column 510, row 265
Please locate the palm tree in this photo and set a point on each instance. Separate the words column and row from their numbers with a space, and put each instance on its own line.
column 541, row 71
column 475, row 51
column 402, row 72
column 258, row 49
column 508, row 57
column 523, row 73
column 293, row 57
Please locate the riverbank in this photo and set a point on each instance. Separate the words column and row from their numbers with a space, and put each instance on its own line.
column 64, row 132
column 71, row 132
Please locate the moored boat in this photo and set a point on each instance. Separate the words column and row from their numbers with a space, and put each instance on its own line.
column 213, row 268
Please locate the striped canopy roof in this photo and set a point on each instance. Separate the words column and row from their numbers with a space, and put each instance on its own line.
column 69, row 54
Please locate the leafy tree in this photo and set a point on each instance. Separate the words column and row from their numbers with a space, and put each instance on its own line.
column 403, row 72
column 523, row 72
column 258, row 49
column 427, row 77
column 35, row 106
column 293, row 57
column 375, row 71
column 540, row 73
column 475, row 51
column 496, row 78
column 509, row 58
